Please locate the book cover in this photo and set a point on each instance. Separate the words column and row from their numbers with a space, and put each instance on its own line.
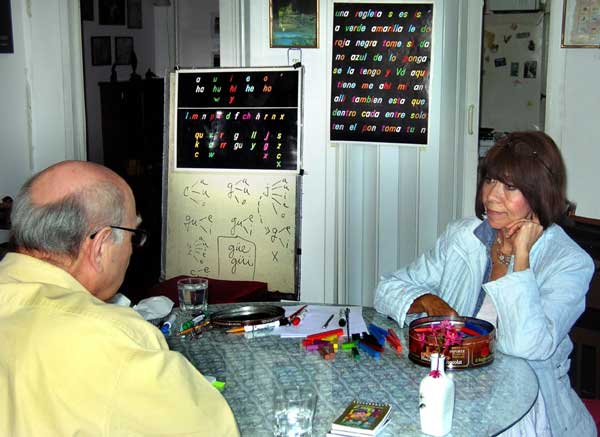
column 362, row 418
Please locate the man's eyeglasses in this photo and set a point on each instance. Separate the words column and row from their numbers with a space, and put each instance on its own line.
column 138, row 239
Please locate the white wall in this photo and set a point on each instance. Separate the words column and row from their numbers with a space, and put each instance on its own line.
column 42, row 118
column 15, row 145
column 196, row 39
column 143, row 44
column 572, row 114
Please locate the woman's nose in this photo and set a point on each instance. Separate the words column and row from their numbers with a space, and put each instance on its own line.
column 495, row 190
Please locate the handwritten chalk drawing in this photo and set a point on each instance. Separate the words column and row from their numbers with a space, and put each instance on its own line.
column 232, row 226
column 237, row 256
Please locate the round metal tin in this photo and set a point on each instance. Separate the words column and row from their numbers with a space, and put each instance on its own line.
column 247, row 315
column 474, row 351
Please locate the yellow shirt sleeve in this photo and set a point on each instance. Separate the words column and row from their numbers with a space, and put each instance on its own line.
column 161, row 393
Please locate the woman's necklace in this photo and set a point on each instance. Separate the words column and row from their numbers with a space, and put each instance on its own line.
column 500, row 256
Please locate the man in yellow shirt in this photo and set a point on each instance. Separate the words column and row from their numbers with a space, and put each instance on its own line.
column 70, row 364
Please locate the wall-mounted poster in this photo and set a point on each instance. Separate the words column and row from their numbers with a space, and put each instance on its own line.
column 239, row 119
column 380, row 73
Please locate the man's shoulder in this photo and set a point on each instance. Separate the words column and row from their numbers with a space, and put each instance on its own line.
column 120, row 321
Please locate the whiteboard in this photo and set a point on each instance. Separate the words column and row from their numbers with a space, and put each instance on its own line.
column 230, row 225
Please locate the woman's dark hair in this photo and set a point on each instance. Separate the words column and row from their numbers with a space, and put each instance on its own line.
column 531, row 162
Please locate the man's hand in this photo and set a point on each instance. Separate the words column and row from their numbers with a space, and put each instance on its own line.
column 432, row 305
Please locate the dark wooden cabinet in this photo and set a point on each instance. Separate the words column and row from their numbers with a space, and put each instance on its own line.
column 132, row 140
column 585, row 359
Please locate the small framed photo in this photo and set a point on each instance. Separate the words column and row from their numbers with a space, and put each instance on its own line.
column 87, row 10
column 134, row 14
column 123, row 49
column 6, row 29
column 111, row 12
column 101, row 53
column 580, row 24
column 294, row 23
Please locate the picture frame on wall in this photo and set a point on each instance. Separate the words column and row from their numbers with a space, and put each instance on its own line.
column 87, row 10
column 101, row 51
column 294, row 23
column 111, row 12
column 580, row 24
column 123, row 49
column 134, row 14
column 6, row 31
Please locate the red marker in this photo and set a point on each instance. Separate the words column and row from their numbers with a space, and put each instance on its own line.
column 299, row 316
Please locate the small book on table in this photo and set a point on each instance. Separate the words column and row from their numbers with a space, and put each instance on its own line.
column 361, row 419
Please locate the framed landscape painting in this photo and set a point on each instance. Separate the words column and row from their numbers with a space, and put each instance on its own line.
column 294, row 23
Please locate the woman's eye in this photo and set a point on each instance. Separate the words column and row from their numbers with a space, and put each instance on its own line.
column 488, row 180
column 511, row 187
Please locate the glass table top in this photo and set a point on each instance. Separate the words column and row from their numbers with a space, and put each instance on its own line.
column 488, row 399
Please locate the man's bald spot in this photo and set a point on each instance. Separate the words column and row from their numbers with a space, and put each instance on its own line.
column 68, row 177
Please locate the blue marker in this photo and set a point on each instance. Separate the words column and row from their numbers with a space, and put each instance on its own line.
column 166, row 327
column 372, row 352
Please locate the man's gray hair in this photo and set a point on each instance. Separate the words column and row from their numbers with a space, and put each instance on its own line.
column 61, row 227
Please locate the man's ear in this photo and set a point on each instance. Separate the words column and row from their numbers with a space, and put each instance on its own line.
column 97, row 247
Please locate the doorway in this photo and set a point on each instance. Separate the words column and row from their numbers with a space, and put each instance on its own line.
column 513, row 72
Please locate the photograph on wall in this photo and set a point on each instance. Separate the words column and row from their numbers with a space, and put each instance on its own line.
column 123, row 49
column 294, row 23
column 581, row 24
column 111, row 12
column 530, row 70
column 514, row 69
column 134, row 14
column 101, row 53
column 6, row 35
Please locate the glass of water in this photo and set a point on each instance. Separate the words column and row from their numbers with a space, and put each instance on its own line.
column 294, row 409
column 193, row 294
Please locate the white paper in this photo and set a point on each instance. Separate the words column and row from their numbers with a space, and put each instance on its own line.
column 315, row 318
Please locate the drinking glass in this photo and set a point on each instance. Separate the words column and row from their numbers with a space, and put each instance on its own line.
column 294, row 409
column 193, row 294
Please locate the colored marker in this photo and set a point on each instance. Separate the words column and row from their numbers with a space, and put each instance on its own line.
column 298, row 317
column 327, row 321
column 320, row 335
column 166, row 327
column 342, row 318
column 192, row 322
column 192, row 329
column 348, row 322
column 366, row 348
column 295, row 313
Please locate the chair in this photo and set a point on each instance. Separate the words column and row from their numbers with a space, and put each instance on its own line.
column 593, row 406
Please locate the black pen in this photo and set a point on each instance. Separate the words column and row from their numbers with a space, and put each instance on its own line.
column 348, row 322
column 327, row 322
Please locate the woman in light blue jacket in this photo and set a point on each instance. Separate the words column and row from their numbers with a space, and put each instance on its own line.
column 515, row 267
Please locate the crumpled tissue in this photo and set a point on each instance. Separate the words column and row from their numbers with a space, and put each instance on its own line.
column 154, row 307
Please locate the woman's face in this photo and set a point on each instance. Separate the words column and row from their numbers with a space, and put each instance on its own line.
column 503, row 203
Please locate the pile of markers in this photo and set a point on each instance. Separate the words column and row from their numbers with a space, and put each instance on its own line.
column 193, row 326
column 372, row 343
